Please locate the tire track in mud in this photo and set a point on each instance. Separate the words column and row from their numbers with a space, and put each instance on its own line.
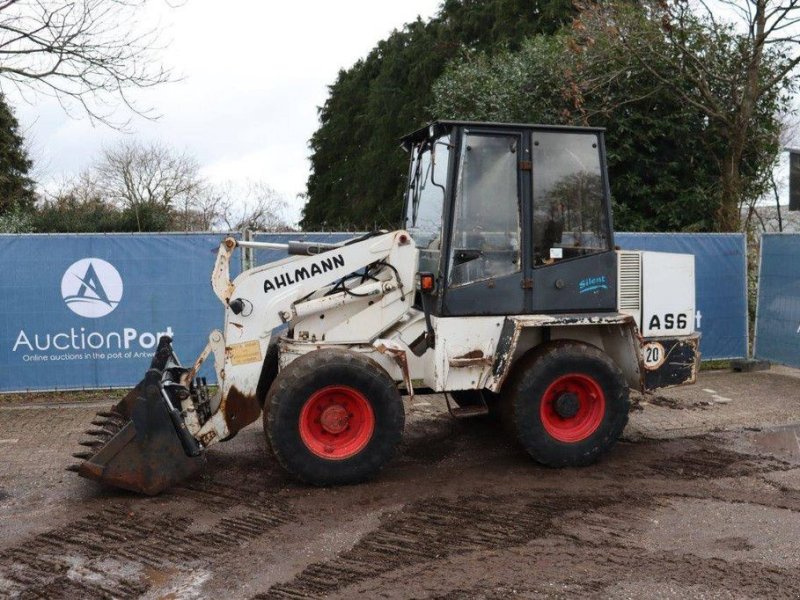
column 605, row 562
column 608, row 570
column 110, row 553
column 717, row 462
column 429, row 530
column 442, row 531
column 439, row 528
column 701, row 458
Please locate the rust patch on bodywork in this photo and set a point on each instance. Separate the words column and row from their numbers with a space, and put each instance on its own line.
column 398, row 353
column 240, row 409
column 473, row 358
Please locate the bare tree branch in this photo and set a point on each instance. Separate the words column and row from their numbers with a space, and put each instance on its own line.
column 154, row 177
column 88, row 54
column 253, row 205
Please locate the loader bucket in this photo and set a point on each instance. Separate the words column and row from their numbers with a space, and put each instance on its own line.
column 141, row 444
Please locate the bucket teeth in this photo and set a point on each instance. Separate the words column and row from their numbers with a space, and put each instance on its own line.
column 101, row 432
column 106, row 424
column 91, row 443
column 110, row 414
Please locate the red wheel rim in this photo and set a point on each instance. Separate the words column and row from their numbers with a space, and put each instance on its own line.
column 336, row 422
column 591, row 407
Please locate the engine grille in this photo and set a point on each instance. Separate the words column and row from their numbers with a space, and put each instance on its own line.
column 630, row 281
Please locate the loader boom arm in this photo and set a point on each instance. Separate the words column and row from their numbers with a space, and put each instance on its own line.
column 264, row 298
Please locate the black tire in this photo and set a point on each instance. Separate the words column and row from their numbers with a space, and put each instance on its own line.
column 300, row 384
column 549, row 433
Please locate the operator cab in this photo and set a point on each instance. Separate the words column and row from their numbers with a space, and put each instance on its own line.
column 511, row 218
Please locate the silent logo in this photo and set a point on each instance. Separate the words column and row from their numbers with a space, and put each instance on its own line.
column 303, row 273
column 593, row 284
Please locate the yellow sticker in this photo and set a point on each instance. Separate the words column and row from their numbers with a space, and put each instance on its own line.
column 247, row 352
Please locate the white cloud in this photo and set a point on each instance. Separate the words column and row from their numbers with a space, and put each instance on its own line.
column 253, row 74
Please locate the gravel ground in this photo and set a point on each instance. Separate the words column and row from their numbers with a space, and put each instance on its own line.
column 700, row 499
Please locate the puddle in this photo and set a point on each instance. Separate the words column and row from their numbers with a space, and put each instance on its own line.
column 783, row 442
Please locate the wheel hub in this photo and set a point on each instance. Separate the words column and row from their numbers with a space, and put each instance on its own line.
column 572, row 407
column 567, row 405
column 336, row 422
column 334, row 419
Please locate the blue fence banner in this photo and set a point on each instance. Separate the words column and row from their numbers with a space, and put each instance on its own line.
column 720, row 280
column 86, row 311
column 778, row 313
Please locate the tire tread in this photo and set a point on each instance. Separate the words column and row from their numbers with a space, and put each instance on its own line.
column 530, row 374
column 294, row 377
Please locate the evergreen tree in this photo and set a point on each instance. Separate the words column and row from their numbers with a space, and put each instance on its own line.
column 357, row 167
column 664, row 154
column 16, row 187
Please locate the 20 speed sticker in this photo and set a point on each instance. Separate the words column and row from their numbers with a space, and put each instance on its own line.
column 654, row 355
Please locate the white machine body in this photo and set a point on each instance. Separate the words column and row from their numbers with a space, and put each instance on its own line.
column 378, row 317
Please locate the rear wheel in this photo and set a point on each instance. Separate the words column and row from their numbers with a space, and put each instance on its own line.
column 334, row 417
column 569, row 404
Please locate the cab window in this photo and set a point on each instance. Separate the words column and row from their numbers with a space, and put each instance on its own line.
column 569, row 212
column 430, row 165
column 486, row 224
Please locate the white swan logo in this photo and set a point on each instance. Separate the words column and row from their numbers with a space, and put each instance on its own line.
column 91, row 287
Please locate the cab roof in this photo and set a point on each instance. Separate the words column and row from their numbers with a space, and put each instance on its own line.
column 423, row 133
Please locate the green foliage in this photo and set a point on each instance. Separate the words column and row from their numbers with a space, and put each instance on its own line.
column 71, row 214
column 721, row 96
column 357, row 166
column 16, row 187
column 664, row 154
column 16, row 220
column 625, row 66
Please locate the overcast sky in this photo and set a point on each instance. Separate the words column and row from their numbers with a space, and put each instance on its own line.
column 253, row 74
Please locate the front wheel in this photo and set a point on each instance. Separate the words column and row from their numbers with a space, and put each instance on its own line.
column 569, row 404
column 334, row 417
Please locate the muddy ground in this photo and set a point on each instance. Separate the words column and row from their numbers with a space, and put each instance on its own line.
column 700, row 499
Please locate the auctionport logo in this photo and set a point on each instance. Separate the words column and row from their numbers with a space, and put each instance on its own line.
column 91, row 287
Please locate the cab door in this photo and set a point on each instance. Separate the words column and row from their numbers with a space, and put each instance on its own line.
column 574, row 264
column 484, row 264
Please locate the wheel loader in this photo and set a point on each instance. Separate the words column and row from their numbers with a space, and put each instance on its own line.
column 503, row 290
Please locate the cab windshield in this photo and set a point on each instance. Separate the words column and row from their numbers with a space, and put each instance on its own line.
column 430, row 163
